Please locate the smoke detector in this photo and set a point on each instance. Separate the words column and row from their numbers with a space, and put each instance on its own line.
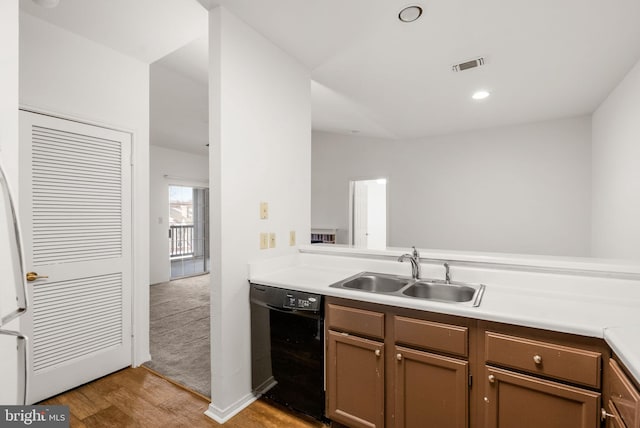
column 468, row 65
column 410, row 13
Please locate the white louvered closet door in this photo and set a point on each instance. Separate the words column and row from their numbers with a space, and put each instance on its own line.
column 75, row 199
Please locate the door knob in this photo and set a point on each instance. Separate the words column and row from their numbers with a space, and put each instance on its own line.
column 32, row 276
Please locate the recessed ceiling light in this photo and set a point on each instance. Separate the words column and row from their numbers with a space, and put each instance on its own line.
column 480, row 95
column 410, row 13
column 47, row 3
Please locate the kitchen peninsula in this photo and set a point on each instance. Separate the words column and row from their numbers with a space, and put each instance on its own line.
column 556, row 327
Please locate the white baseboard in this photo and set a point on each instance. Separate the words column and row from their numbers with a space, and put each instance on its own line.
column 265, row 386
column 145, row 359
column 223, row 415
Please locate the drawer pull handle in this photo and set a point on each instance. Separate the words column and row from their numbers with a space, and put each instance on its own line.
column 604, row 415
column 378, row 353
column 537, row 359
column 399, row 357
column 492, row 378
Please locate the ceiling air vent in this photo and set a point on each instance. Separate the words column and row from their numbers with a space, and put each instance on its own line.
column 467, row 65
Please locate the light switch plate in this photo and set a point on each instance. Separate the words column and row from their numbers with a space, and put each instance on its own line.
column 272, row 240
column 292, row 238
column 264, row 241
column 264, row 210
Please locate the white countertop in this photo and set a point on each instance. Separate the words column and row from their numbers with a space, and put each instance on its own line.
column 565, row 297
column 625, row 344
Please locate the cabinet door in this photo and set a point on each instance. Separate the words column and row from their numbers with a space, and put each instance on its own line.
column 516, row 400
column 431, row 390
column 355, row 381
column 613, row 417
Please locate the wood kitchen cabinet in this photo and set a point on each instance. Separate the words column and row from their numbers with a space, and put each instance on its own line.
column 355, row 366
column 523, row 401
column 613, row 418
column 355, row 380
column 623, row 395
column 431, row 390
column 402, row 368
column 540, row 379
column 385, row 368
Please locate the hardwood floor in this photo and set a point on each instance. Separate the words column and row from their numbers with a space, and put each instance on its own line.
column 139, row 398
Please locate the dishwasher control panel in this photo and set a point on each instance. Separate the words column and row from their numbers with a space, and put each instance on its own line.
column 302, row 301
column 280, row 298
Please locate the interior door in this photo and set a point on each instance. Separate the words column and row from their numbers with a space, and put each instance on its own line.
column 75, row 198
column 360, row 214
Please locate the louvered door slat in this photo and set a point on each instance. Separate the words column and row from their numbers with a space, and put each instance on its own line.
column 80, row 326
column 55, row 342
column 74, row 143
column 68, row 151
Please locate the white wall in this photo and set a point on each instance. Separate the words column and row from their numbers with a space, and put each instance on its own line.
column 184, row 169
column 9, row 90
column 260, row 132
column 518, row 189
column 616, row 172
column 71, row 76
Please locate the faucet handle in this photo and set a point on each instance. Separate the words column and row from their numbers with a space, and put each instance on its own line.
column 416, row 254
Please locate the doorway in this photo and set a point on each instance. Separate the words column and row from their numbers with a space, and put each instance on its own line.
column 188, row 231
column 368, row 213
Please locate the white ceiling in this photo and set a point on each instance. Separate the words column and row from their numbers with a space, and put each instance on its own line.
column 144, row 29
column 377, row 76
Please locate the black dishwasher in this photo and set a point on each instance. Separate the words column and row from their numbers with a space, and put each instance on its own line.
column 287, row 348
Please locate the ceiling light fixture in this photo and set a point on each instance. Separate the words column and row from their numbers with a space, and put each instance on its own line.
column 410, row 13
column 480, row 95
column 49, row 4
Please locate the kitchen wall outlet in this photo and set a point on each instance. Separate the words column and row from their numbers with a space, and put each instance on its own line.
column 264, row 210
column 264, row 241
column 272, row 240
column 292, row 238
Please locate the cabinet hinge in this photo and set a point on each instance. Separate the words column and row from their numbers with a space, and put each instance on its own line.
column 470, row 381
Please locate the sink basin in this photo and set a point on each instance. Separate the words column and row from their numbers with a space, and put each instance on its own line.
column 376, row 283
column 443, row 292
column 461, row 293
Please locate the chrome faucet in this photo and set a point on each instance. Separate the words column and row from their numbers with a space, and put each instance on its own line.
column 447, row 275
column 415, row 262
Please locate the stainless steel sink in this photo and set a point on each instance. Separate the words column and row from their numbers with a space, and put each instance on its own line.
column 445, row 292
column 440, row 291
column 376, row 283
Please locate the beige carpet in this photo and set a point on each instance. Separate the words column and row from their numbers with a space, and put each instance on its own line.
column 179, row 334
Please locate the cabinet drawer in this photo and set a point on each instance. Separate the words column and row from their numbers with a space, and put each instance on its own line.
column 543, row 358
column 358, row 321
column 624, row 396
column 430, row 335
